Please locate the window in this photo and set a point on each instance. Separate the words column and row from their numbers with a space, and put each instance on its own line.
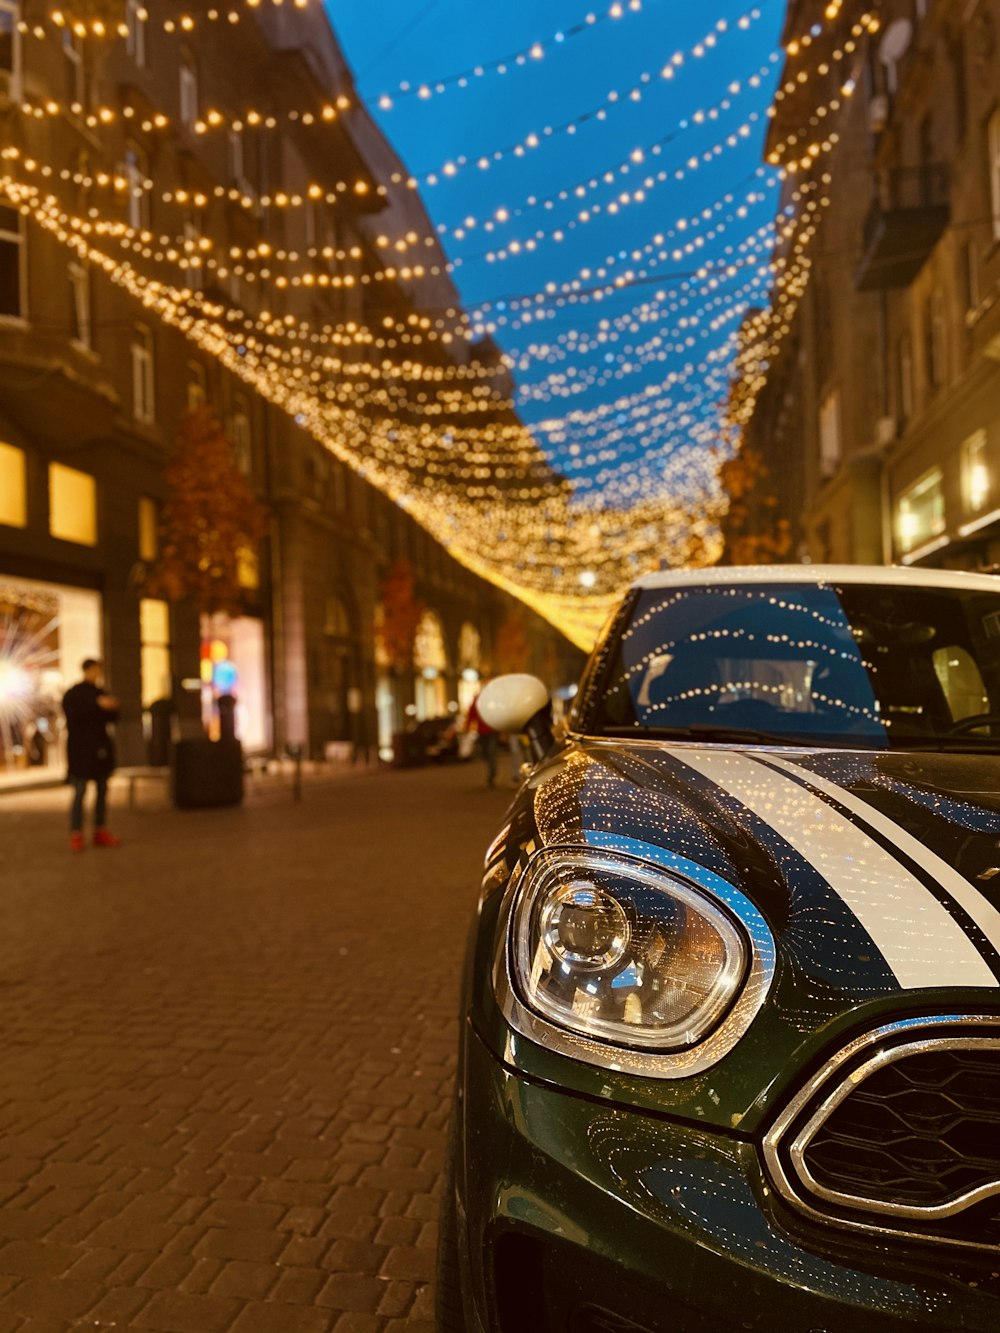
column 143, row 384
column 72, row 505
column 11, row 260
column 192, row 271
column 920, row 512
column 136, row 173
column 10, row 50
column 934, row 340
column 973, row 293
column 135, row 31
column 905, row 377
column 197, row 395
column 149, row 519
column 73, row 56
column 975, row 473
column 79, row 293
column 13, row 487
column 188, row 76
column 993, row 136
column 830, row 449
column 241, row 438
column 247, row 568
column 154, row 634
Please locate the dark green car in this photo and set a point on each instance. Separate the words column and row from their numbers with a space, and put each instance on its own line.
column 730, row 1050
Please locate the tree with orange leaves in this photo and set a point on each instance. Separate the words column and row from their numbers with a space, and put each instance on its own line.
column 210, row 521
column 401, row 613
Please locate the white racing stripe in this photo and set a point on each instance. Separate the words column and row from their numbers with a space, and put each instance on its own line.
column 920, row 941
column 982, row 912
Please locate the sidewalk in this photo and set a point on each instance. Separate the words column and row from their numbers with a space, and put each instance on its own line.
column 228, row 1049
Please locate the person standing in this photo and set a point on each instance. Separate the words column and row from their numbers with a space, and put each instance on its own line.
column 489, row 741
column 91, row 751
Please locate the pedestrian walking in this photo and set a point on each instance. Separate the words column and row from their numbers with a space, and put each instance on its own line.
column 91, row 751
column 488, row 739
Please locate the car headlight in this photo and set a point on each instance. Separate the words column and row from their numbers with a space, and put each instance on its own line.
column 624, row 953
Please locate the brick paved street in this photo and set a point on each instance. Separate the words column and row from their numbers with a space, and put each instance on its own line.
column 227, row 1049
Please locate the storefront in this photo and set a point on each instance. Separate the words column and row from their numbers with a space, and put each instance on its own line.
column 234, row 665
column 46, row 631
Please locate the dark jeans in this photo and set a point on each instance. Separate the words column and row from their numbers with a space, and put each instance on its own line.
column 100, row 809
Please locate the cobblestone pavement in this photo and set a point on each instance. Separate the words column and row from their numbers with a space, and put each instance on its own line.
column 227, row 1049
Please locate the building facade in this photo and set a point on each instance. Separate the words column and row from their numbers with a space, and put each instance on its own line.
column 880, row 416
column 137, row 160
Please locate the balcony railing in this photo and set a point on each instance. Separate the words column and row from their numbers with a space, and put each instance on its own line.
column 905, row 222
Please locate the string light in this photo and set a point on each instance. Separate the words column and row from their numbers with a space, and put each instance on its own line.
column 534, row 51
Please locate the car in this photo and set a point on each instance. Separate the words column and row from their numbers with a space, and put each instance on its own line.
column 730, row 1017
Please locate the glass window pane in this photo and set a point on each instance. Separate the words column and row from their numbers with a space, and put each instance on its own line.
column 72, row 505
column 13, row 490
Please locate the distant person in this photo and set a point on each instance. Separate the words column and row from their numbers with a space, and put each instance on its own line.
column 91, row 751
column 489, row 741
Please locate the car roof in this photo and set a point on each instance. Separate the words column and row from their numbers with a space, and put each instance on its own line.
column 866, row 574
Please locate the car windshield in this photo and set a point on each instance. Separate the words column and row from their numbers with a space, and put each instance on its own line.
column 886, row 667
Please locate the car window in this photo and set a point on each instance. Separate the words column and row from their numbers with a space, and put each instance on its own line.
column 863, row 664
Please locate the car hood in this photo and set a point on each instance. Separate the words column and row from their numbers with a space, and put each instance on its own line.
column 878, row 875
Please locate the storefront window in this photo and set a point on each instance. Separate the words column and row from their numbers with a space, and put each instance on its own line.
column 46, row 631
column 920, row 512
column 233, row 663
column 154, row 631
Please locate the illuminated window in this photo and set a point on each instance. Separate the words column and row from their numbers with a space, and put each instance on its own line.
column 10, row 50
column 13, row 487
column 830, row 447
column 143, row 383
column 920, row 512
column 154, row 633
column 135, row 32
column 993, row 136
column 72, row 505
column 188, row 76
column 975, row 473
column 247, row 568
column 149, row 543
column 79, row 294
column 11, row 276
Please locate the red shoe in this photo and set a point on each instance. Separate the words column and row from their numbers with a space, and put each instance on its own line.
column 102, row 838
column 76, row 843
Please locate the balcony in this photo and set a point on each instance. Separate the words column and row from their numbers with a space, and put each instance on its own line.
column 905, row 222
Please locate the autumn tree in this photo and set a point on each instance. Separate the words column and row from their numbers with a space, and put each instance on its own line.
column 210, row 523
column 753, row 531
column 511, row 649
column 402, row 610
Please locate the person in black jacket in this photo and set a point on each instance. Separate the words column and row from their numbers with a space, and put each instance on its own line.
column 91, row 751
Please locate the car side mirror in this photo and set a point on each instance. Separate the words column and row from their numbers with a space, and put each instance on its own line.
column 519, row 703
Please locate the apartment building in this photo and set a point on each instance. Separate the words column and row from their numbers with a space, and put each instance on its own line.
column 880, row 417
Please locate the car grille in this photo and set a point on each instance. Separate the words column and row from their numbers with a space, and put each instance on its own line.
column 901, row 1132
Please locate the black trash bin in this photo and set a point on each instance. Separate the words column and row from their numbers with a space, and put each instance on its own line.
column 207, row 773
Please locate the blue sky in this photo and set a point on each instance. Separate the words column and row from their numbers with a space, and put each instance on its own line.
column 392, row 41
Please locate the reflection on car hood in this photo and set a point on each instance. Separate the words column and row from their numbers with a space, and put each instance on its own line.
column 878, row 873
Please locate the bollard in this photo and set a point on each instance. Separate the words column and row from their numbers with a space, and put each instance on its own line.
column 296, row 753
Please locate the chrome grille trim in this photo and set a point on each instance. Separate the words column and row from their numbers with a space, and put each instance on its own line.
column 799, row 1188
